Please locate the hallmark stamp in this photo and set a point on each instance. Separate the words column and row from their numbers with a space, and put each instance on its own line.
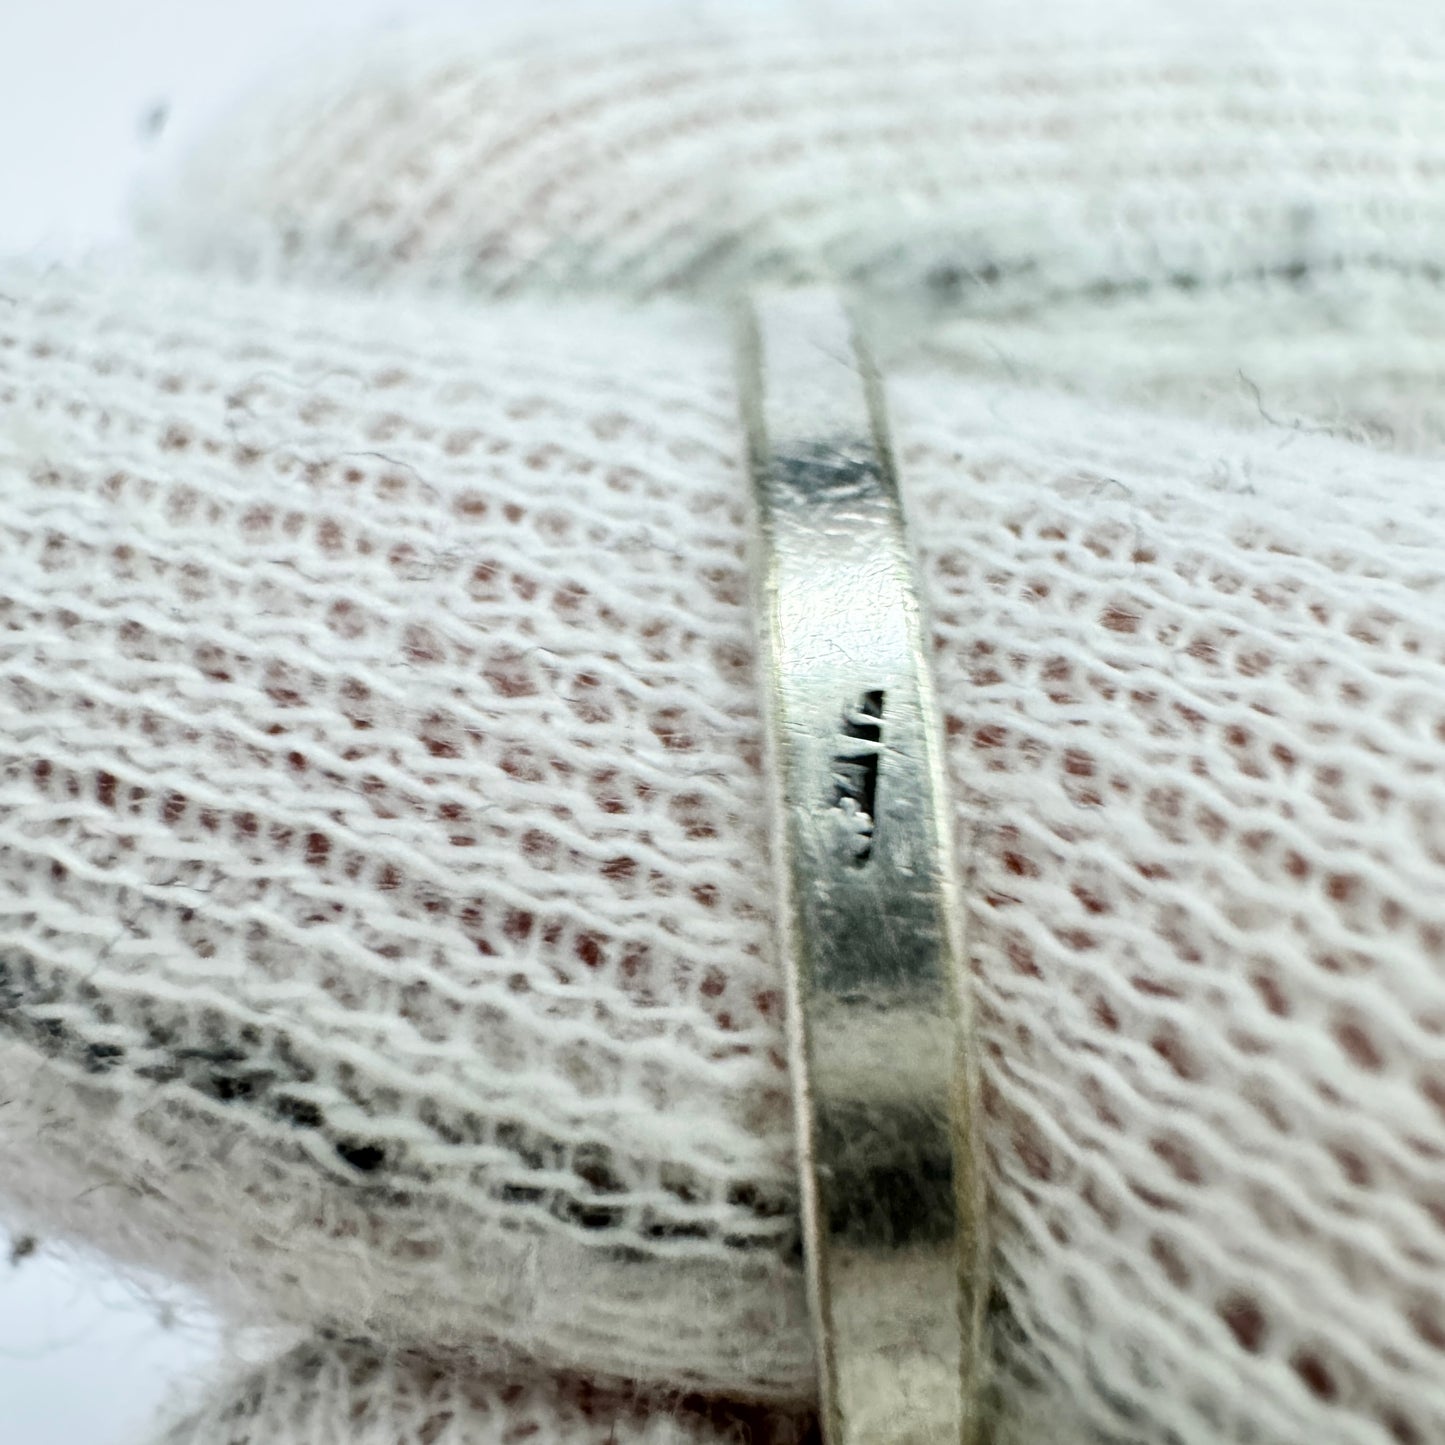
column 855, row 774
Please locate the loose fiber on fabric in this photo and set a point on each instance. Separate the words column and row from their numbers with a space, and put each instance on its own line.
column 385, row 914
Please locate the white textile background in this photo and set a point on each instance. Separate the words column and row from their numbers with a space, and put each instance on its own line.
column 95, row 99
column 95, row 96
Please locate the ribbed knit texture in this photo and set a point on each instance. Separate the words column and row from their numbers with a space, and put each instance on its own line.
column 1220, row 210
column 349, row 1394
column 385, row 915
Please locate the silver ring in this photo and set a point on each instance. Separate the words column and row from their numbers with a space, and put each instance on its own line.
column 870, row 927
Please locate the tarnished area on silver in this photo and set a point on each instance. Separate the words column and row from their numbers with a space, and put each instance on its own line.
column 871, row 932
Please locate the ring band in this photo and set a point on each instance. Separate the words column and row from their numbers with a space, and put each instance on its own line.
column 870, row 927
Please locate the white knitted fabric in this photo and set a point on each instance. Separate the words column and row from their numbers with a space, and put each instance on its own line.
column 384, row 907
column 348, row 1394
column 1132, row 200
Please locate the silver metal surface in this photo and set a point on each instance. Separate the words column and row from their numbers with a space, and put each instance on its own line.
column 871, row 927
